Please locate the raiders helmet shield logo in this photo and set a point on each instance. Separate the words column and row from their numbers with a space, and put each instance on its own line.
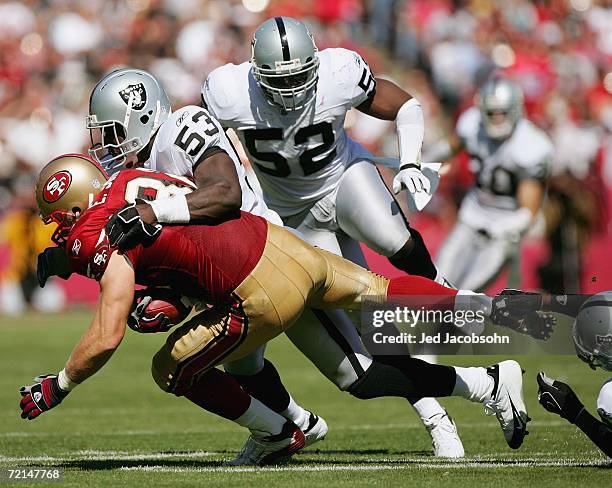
column 57, row 184
column 138, row 94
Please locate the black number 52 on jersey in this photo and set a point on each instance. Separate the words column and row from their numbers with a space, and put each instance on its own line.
column 279, row 166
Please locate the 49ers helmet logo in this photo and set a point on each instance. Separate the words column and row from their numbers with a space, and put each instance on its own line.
column 57, row 184
column 137, row 93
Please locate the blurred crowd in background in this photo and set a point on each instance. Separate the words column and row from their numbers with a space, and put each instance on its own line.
column 560, row 51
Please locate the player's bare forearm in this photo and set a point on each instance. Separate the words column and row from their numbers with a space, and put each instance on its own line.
column 597, row 431
column 107, row 328
column 214, row 202
column 443, row 149
column 219, row 194
column 217, row 197
column 386, row 102
column 530, row 195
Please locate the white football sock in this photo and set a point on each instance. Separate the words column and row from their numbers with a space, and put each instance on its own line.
column 428, row 407
column 261, row 420
column 474, row 384
column 296, row 414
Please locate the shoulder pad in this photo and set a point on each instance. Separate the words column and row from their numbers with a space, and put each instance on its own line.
column 468, row 123
column 540, row 146
column 223, row 89
column 340, row 62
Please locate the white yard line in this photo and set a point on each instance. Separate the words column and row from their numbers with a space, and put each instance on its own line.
column 92, row 455
column 489, row 461
column 372, row 467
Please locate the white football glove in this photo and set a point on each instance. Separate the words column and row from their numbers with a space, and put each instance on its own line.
column 412, row 179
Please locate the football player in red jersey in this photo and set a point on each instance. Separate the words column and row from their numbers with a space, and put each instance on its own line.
column 259, row 278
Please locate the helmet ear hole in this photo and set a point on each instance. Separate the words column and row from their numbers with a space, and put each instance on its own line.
column 266, row 66
column 144, row 119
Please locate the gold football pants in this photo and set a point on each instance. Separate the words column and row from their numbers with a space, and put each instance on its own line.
column 290, row 276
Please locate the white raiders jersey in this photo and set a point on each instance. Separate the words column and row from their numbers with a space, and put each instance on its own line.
column 181, row 141
column 500, row 166
column 298, row 156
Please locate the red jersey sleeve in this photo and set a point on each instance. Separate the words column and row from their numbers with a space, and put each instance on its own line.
column 88, row 247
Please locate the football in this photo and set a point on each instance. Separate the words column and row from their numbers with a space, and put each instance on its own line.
column 165, row 301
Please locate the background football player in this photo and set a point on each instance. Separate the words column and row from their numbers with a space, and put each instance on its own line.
column 288, row 106
column 510, row 157
column 257, row 276
column 131, row 123
column 592, row 335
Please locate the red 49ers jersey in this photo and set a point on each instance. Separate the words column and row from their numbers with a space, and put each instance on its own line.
column 202, row 261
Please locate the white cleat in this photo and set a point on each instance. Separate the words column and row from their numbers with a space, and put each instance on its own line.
column 506, row 401
column 316, row 429
column 271, row 449
column 444, row 436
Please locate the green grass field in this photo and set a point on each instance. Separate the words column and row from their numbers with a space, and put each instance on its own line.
column 119, row 429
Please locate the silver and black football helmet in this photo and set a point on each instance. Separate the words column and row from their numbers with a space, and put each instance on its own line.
column 126, row 107
column 285, row 62
column 500, row 101
column 593, row 331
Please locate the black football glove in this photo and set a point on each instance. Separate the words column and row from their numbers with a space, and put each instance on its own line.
column 558, row 397
column 137, row 320
column 519, row 311
column 53, row 261
column 41, row 396
column 125, row 229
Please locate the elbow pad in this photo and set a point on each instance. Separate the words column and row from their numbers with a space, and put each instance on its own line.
column 410, row 132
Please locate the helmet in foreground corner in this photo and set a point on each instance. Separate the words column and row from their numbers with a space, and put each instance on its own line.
column 593, row 331
column 65, row 188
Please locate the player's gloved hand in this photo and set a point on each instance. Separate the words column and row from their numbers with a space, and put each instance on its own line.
column 520, row 311
column 41, row 396
column 558, row 397
column 53, row 261
column 411, row 178
column 126, row 229
column 137, row 321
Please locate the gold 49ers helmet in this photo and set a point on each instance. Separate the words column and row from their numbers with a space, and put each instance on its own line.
column 65, row 188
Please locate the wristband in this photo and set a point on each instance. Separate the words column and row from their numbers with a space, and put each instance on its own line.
column 171, row 210
column 409, row 165
column 64, row 382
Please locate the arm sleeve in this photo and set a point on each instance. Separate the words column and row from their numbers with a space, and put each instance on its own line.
column 93, row 254
column 599, row 432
